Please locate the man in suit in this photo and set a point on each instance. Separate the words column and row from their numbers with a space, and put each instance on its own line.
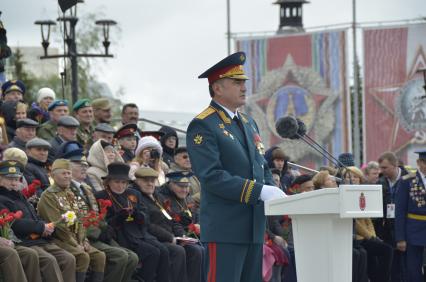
column 410, row 218
column 226, row 152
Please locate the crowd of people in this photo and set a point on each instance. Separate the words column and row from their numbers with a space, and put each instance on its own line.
column 82, row 200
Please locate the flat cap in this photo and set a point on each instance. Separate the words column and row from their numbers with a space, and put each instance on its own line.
column 26, row 122
column 68, row 121
column 105, row 127
column 38, row 142
column 57, row 103
column 80, row 104
column 12, row 85
column 101, row 103
column 61, row 164
column 145, row 172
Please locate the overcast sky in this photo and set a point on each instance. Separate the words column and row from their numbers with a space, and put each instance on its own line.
column 166, row 44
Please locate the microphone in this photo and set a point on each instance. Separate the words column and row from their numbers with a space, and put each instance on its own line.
column 294, row 128
column 287, row 127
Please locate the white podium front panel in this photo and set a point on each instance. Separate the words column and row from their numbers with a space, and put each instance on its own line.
column 357, row 201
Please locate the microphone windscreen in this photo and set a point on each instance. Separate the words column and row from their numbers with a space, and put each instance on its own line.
column 286, row 127
column 301, row 131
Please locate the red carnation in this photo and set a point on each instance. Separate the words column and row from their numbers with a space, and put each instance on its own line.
column 4, row 211
column 18, row 215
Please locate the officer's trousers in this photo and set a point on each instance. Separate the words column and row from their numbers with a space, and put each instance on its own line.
column 414, row 263
column 30, row 263
column 93, row 257
column 120, row 262
column 10, row 265
column 56, row 264
column 234, row 262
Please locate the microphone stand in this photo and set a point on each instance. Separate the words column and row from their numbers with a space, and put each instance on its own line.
column 293, row 165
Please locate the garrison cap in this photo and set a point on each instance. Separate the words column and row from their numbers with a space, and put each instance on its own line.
column 101, row 103
column 130, row 129
column 57, row 103
column 422, row 153
column 179, row 176
column 38, row 143
column 11, row 168
column 145, row 172
column 61, row 164
column 105, row 127
column 12, row 85
column 26, row 122
column 230, row 67
column 80, row 104
column 68, row 121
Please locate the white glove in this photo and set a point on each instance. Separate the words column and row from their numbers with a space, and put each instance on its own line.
column 271, row 193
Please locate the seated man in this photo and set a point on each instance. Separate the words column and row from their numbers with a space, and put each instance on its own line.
column 66, row 131
column 103, row 131
column 25, row 131
column 120, row 262
column 36, row 168
column 55, row 263
column 59, row 199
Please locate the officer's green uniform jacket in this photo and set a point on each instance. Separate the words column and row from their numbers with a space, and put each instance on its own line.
column 232, row 171
column 47, row 130
column 54, row 202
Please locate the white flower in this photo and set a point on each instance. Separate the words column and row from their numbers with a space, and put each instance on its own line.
column 69, row 217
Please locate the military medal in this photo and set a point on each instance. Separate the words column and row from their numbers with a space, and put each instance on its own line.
column 129, row 218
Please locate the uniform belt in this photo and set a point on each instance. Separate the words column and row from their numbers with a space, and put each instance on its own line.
column 416, row 216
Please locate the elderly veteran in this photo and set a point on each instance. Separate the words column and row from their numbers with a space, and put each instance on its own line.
column 12, row 90
column 126, row 137
column 66, row 131
column 160, row 221
column 102, row 110
column 127, row 216
column 55, row 263
column 103, row 131
column 120, row 262
column 83, row 112
column 180, row 206
column 37, row 167
column 25, row 131
column 59, row 199
column 57, row 109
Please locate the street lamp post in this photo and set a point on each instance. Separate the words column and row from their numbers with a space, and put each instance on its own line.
column 69, row 24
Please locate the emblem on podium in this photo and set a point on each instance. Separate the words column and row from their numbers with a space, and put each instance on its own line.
column 362, row 202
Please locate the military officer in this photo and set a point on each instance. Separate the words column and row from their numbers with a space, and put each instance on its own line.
column 226, row 153
column 54, row 203
column 83, row 112
column 13, row 90
column 57, row 109
column 410, row 218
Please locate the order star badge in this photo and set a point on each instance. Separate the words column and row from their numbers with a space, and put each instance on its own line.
column 198, row 139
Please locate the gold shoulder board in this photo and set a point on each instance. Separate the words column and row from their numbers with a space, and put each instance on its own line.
column 408, row 176
column 205, row 113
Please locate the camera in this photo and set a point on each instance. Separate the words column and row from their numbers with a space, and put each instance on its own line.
column 154, row 154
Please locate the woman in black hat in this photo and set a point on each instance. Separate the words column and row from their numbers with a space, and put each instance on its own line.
column 128, row 219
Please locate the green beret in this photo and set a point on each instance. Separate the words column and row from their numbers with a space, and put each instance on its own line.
column 82, row 103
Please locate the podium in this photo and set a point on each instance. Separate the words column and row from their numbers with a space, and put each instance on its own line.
column 322, row 223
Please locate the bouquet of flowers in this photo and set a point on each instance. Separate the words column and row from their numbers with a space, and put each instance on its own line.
column 31, row 189
column 193, row 231
column 6, row 220
column 93, row 221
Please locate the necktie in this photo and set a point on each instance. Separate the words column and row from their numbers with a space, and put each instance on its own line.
column 239, row 123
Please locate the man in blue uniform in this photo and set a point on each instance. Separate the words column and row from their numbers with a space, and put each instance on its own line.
column 410, row 219
column 226, row 152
